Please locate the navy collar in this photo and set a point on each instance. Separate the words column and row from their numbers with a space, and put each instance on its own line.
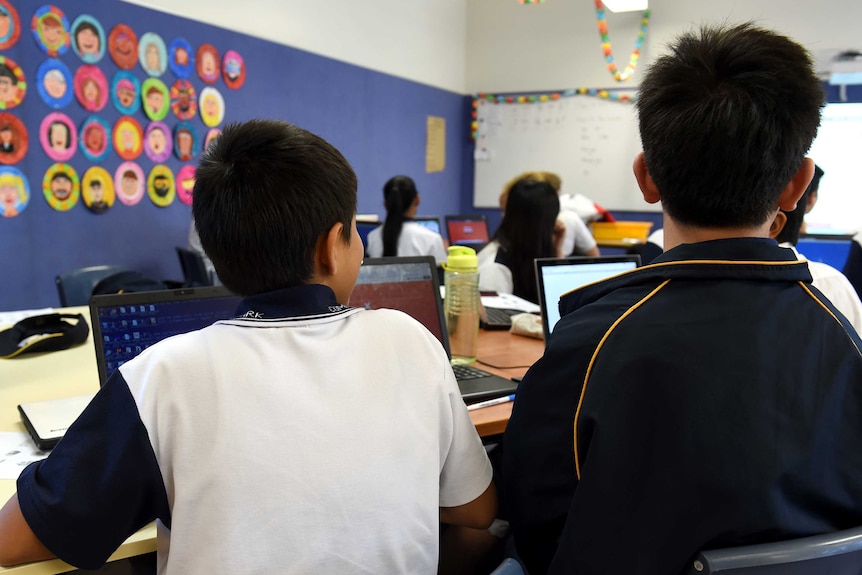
column 299, row 301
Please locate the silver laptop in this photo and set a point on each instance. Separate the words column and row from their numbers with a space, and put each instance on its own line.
column 557, row 276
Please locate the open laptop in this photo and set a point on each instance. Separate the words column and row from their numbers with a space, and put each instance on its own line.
column 470, row 231
column 123, row 326
column 430, row 222
column 557, row 276
column 410, row 284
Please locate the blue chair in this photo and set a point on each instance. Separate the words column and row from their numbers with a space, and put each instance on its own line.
column 508, row 567
column 76, row 286
column 838, row 553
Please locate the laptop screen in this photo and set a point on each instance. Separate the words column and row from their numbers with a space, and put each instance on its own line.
column 430, row 222
column 126, row 324
column 467, row 230
column 557, row 276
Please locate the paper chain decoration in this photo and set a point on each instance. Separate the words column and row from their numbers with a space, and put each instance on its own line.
column 606, row 44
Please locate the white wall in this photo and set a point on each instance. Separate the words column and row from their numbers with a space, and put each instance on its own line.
column 420, row 40
column 555, row 45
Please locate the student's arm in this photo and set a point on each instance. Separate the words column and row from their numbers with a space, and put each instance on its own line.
column 478, row 514
column 18, row 543
column 593, row 251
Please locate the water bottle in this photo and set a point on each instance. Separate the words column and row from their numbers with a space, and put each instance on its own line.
column 461, row 305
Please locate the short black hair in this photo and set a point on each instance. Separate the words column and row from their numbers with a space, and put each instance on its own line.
column 62, row 176
column 85, row 25
column 790, row 232
column 725, row 121
column 7, row 72
column 265, row 193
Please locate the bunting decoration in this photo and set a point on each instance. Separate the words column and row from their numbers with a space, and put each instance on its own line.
column 608, row 51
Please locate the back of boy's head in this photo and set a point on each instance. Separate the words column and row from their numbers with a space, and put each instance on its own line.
column 265, row 192
column 725, row 121
column 790, row 232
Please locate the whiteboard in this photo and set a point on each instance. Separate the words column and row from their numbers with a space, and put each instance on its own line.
column 588, row 141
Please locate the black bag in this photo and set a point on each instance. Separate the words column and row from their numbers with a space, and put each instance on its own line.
column 126, row 282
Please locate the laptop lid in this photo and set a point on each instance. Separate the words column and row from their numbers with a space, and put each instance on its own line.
column 430, row 222
column 471, row 231
column 126, row 324
column 410, row 284
column 557, row 276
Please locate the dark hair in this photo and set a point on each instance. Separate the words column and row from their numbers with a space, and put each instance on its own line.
column 725, row 121
column 61, row 176
column 526, row 232
column 85, row 25
column 6, row 71
column 790, row 232
column 265, row 193
column 398, row 195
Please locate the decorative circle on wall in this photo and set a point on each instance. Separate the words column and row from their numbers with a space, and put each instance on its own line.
column 128, row 138
column 125, row 92
column 54, row 83
column 129, row 183
column 123, row 46
column 186, row 184
column 95, row 139
column 13, row 84
column 160, row 186
column 207, row 63
column 152, row 54
column 51, row 30
column 10, row 25
column 180, row 58
column 157, row 142
column 88, row 39
column 61, row 187
column 212, row 134
column 91, row 87
column 233, row 70
column 58, row 136
column 185, row 141
column 155, row 98
column 184, row 100
column 13, row 139
column 14, row 191
column 97, row 188
column 212, row 107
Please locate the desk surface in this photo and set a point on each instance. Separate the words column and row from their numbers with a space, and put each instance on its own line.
column 73, row 372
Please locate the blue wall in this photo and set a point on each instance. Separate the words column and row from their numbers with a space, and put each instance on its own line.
column 377, row 121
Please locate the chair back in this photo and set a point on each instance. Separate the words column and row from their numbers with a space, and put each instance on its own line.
column 838, row 553
column 75, row 286
column 195, row 273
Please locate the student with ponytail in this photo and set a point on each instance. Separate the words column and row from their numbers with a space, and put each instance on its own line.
column 400, row 235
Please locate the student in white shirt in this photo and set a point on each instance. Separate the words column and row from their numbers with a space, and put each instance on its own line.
column 400, row 235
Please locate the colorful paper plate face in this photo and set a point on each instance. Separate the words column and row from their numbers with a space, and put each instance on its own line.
column 184, row 100
column 61, row 187
column 152, row 54
column 212, row 107
column 185, row 141
column 97, row 188
column 123, row 46
column 91, row 87
column 58, row 137
column 233, row 69
column 186, row 184
column 160, row 186
column 13, row 139
column 95, row 139
column 212, row 134
column 54, row 83
column 10, row 25
column 13, row 84
column 155, row 99
column 125, row 92
column 14, row 191
column 129, row 183
column 207, row 63
column 51, row 30
column 180, row 58
column 88, row 39
column 157, row 142
column 128, row 138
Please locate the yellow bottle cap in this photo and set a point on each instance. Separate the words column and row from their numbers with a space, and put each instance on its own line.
column 462, row 259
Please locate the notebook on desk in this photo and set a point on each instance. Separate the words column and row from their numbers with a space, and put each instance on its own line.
column 123, row 326
column 557, row 276
column 410, row 284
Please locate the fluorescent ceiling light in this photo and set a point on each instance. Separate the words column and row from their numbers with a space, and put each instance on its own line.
column 625, row 5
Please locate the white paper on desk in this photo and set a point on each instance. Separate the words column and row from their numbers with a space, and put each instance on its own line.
column 509, row 301
column 17, row 451
column 13, row 317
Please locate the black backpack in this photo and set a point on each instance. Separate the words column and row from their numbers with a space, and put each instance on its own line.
column 126, row 282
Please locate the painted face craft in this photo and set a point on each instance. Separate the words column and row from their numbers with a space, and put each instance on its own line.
column 61, row 187
column 91, row 88
column 54, row 83
column 14, row 192
column 212, row 134
column 97, row 188
column 88, row 39
column 160, row 186
column 157, row 142
column 233, row 70
column 58, row 137
column 207, row 63
column 13, row 84
column 51, row 30
column 95, row 139
column 128, row 138
column 125, row 92
column 123, row 46
column 180, row 59
column 186, row 184
column 155, row 99
column 129, row 183
column 13, row 139
column 152, row 54
column 184, row 103
column 185, row 140
column 10, row 25
column 212, row 107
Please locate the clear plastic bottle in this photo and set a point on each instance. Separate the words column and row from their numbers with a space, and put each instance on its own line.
column 461, row 305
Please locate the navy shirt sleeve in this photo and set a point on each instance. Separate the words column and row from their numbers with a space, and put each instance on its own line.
column 100, row 484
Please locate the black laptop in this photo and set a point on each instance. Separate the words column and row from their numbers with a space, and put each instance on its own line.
column 468, row 230
column 410, row 284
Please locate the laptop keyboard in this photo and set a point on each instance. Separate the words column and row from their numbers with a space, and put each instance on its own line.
column 463, row 372
column 499, row 318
